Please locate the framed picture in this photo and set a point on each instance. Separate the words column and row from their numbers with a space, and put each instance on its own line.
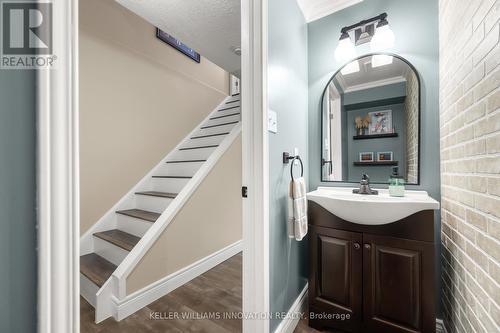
column 366, row 157
column 177, row 44
column 384, row 156
column 380, row 122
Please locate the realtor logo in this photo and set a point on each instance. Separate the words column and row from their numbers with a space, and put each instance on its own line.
column 26, row 37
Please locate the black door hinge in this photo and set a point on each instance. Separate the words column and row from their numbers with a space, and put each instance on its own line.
column 244, row 192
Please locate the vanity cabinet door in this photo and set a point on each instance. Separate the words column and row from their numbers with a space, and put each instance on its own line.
column 335, row 280
column 398, row 285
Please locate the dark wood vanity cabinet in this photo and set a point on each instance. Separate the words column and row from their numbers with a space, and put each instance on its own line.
column 371, row 278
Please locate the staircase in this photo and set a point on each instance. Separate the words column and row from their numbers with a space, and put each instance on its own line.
column 115, row 244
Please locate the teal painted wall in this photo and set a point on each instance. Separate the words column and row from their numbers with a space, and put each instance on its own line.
column 415, row 25
column 287, row 89
column 17, row 202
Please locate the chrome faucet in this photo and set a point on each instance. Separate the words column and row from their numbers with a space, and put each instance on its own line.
column 364, row 186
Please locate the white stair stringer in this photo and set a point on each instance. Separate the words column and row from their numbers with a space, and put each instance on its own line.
column 170, row 175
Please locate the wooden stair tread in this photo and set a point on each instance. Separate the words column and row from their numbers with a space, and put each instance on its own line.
column 96, row 268
column 224, row 116
column 140, row 214
column 209, row 135
column 199, row 147
column 186, row 161
column 229, row 108
column 158, row 194
column 218, row 125
column 119, row 238
column 174, row 177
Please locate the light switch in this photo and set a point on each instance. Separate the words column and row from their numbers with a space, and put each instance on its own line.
column 272, row 121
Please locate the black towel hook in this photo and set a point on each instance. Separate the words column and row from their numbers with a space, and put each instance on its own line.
column 287, row 158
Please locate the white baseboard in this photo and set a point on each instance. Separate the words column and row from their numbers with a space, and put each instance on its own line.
column 141, row 298
column 293, row 315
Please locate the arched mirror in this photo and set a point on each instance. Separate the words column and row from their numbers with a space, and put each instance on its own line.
column 371, row 121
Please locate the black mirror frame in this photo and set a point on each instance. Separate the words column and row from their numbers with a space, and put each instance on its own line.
column 419, row 116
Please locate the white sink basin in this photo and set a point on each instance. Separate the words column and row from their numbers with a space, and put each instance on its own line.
column 371, row 209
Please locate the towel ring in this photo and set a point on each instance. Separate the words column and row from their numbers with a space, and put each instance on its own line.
column 301, row 166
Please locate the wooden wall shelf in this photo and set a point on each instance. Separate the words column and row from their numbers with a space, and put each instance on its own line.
column 375, row 136
column 376, row 163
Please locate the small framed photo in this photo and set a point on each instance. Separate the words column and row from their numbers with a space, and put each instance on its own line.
column 384, row 156
column 366, row 157
column 380, row 122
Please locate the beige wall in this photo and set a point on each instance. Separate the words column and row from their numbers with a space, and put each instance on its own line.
column 138, row 98
column 470, row 164
column 210, row 220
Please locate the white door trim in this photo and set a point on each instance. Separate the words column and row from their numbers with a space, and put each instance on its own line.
column 58, row 178
column 58, row 174
column 255, row 165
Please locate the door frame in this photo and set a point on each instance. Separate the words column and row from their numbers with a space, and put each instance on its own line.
column 255, row 166
column 58, row 174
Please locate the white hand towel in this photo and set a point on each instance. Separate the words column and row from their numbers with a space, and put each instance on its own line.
column 290, row 220
column 297, row 209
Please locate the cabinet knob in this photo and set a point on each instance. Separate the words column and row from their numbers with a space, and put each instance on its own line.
column 368, row 246
column 356, row 246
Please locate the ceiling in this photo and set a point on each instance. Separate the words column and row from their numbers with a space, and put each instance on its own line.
column 316, row 9
column 210, row 27
column 369, row 77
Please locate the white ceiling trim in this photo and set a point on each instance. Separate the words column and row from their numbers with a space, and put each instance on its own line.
column 316, row 9
column 341, row 81
column 374, row 84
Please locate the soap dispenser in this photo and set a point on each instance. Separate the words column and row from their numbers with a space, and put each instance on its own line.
column 396, row 184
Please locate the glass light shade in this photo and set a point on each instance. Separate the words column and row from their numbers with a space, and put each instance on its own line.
column 383, row 38
column 379, row 60
column 345, row 50
column 350, row 68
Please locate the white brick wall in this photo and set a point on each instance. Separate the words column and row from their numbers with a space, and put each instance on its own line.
column 412, row 123
column 470, row 163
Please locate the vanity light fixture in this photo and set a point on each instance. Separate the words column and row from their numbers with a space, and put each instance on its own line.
column 375, row 30
column 345, row 50
column 383, row 38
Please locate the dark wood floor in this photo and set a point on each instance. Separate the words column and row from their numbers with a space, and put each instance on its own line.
column 214, row 292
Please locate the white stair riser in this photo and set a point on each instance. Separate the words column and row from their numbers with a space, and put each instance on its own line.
column 233, row 98
column 226, row 112
column 222, row 120
column 152, row 203
column 222, row 125
column 132, row 225
column 109, row 251
column 219, row 119
column 194, row 154
column 215, row 130
column 208, row 141
column 146, row 186
column 88, row 289
column 228, row 105
column 172, row 185
column 180, row 169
